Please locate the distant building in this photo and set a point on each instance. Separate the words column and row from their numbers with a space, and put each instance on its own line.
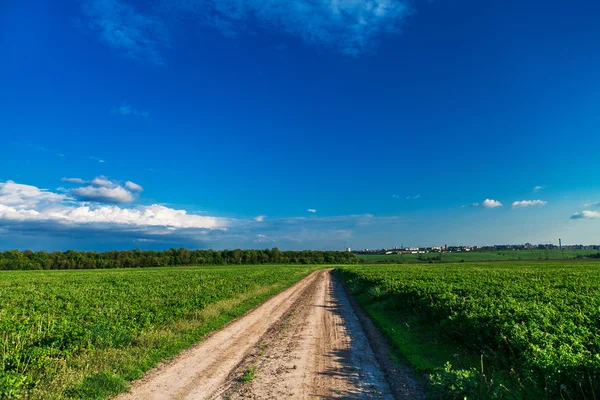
column 348, row 249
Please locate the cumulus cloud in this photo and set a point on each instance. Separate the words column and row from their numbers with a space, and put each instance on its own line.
column 103, row 190
column 488, row 203
column 348, row 26
column 538, row 188
column 260, row 218
column 528, row 203
column 586, row 214
column 148, row 216
column 103, row 194
column 101, row 181
column 133, row 187
column 22, row 197
column 311, row 210
column 73, row 180
column 26, row 203
column 126, row 110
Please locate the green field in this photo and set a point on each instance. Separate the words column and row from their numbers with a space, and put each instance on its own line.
column 479, row 330
column 84, row 334
column 502, row 255
column 490, row 330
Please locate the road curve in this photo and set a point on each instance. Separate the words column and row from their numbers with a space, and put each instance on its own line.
column 305, row 342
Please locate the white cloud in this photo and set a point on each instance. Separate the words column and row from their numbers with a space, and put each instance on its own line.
column 586, row 214
column 413, row 197
column 260, row 238
column 97, row 159
column 260, row 218
column 133, row 187
column 528, row 203
column 22, row 197
column 538, row 188
column 103, row 190
column 101, row 181
column 141, row 216
column 27, row 203
column 488, row 203
column 126, row 110
column 73, row 180
column 395, row 196
column 103, row 194
column 311, row 210
column 595, row 204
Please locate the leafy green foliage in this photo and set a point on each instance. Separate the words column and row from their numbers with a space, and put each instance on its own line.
column 29, row 260
column 536, row 326
column 248, row 375
column 83, row 334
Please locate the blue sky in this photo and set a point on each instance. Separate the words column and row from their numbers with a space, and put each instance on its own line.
column 298, row 124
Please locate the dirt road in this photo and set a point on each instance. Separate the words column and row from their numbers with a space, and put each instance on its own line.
column 305, row 342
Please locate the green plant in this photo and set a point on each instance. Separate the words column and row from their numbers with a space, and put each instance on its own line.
column 248, row 375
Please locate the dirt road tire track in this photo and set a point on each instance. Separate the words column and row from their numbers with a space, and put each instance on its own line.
column 305, row 342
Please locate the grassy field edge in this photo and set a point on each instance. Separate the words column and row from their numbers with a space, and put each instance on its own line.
column 402, row 333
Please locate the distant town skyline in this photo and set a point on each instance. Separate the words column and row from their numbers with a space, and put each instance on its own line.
column 445, row 247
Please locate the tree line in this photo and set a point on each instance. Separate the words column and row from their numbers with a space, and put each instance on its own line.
column 72, row 259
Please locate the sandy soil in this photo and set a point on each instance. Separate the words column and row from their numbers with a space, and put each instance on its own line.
column 306, row 342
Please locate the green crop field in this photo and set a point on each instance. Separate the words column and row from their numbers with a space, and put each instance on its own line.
column 501, row 255
column 84, row 334
column 490, row 330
